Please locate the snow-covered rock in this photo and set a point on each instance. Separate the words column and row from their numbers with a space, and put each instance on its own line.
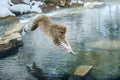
column 88, row 5
column 21, row 8
column 36, row 8
column 5, row 3
column 76, row 1
column 8, row 8
column 25, row 8
column 26, row 1
column 96, row 3
column 4, row 12
column 73, row 1
column 93, row 4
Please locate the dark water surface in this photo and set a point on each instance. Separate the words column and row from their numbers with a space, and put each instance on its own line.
column 93, row 33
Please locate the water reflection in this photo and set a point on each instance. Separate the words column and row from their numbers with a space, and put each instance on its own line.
column 85, row 26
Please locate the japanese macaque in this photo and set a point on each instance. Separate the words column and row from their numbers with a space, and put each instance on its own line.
column 55, row 31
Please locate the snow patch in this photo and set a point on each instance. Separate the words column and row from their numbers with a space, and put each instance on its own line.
column 5, row 3
column 76, row 1
column 93, row 4
column 36, row 8
column 5, row 12
column 24, row 21
column 26, row 1
column 8, row 8
column 88, row 5
column 22, row 8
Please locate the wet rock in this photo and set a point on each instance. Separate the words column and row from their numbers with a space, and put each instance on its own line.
column 13, row 37
column 77, row 77
column 9, row 44
column 82, row 73
column 108, row 45
column 36, row 72
column 8, row 20
column 16, row 28
column 11, row 40
column 82, row 70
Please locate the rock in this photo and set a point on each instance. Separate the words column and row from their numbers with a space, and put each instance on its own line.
column 17, row 1
column 13, row 36
column 9, row 17
column 93, row 4
column 51, row 1
column 11, row 40
column 77, row 77
column 64, row 3
column 76, row 4
column 8, row 20
column 20, row 9
column 82, row 70
column 9, row 44
column 81, row 73
column 14, row 28
column 36, row 72
column 55, row 4
column 108, row 45
column 49, row 7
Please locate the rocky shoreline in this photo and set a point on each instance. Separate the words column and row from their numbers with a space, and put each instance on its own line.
column 11, row 40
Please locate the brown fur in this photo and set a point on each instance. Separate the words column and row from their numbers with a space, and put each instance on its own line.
column 55, row 30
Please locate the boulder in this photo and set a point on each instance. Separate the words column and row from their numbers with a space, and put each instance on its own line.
column 14, row 28
column 11, row 40
column 9, row 44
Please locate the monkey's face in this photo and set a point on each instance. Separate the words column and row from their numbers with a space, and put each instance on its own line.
column 59, row 38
